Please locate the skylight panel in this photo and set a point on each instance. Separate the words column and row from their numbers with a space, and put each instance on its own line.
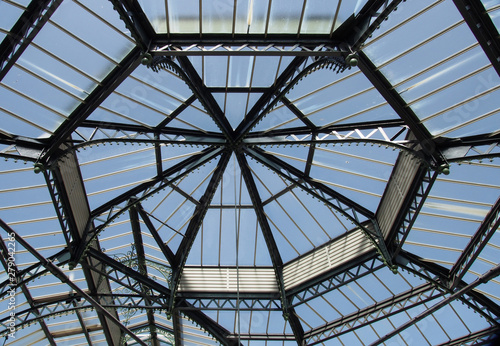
column 183, row 17
column 285, row 17
column 10, row 14
column 217, row 16
column 157, row 14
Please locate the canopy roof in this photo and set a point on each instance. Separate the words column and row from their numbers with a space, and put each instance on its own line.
column 249, row 172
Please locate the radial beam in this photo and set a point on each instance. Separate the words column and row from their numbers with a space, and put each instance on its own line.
column 350, row 209
column 35, row 16
column 288, row 311
column 386, row 89
column 205, row 97
column 141, row 261
column 167, row 252
column 59, row 274
column 136, row 21
column 195, row 224
column 267, row 99
column 98, row 95
column 106, row 213
column 483, row 28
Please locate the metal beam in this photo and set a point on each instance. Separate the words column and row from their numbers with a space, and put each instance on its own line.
column 269, row 98
column 335, row 128
column 70, row 201
column 12, row 272
column 488, row 336
column 491, row 274
column 335, row 200
column 212, row 327
column 121, row 272
column 167, row 252
column 59, row 274
column 477, row 243
column 35, row 16
column 250, row 39
column 195, row 224
column 366, row 24
column 385, row 88
column 233, row 48
column 479, row 147
column 205, row 97
column 141, row 261
column 379, row 311
column 136, row 21
column 334, row 279
column 483, row 28
column 412, row 203
column 439, row 276
column 288, row 311
column 106, row 213
column 96, row 97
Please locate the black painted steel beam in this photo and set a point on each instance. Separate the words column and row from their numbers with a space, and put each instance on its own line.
column 477, row 243
column 439, row 276
column 35, row 16
column 410, row 208
column 305, row 130
column 195, row 224
column 371, row 314
column 385, row 88
column 368, row 20
column 288, row 311
column 12, row 272
column 215, row 329
column 205, row 97
column 118, row 205
column 165, row 249
column 297, row 113
column 258, row 110
column 483, row 28
column 335, row 278
column 98, row 95
column 176, row 112
column 136, row 21
column 207, row 323
column 478, row 147
column 176, row 322
column 491, row 274
column 142, row 267
column 59, row 274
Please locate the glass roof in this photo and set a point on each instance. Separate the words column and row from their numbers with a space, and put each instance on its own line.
column 249, row 172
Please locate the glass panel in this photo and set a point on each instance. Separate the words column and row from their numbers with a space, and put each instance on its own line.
column 10, row 15
column 217, row 16
column 285, row 17
column 157, row 15
column 257, row 16
column 316, row 19
column 184, row 16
